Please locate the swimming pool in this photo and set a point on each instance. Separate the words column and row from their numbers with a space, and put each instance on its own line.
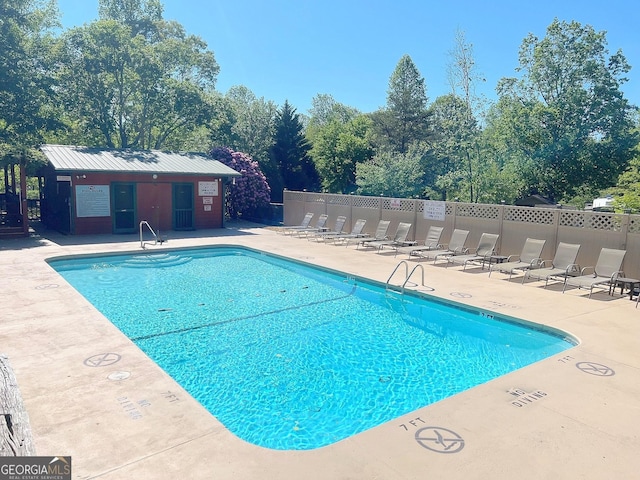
column 289, row 356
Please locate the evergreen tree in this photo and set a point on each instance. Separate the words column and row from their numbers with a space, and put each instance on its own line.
column 290, row 152
column 405, row 119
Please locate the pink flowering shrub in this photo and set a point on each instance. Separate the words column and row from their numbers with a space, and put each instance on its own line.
column 251, row 192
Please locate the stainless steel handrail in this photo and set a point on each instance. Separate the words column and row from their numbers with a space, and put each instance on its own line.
column 406, row 271
column 409, row 276
column 155, row 237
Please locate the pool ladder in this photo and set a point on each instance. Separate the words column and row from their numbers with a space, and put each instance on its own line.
column 407, row 276
column 156, row 239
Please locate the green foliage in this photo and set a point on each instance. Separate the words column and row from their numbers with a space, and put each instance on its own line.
column 455, row 133
column 26, row 86
column 337, row 150
column 133, row 80
column 324, row 110
column 626, row 193
column 247, row 124
column 392, row 174
column 566, row 118
column 290, row 152
column 405, row 119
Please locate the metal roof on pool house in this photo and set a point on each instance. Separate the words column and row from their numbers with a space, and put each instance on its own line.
column 74, row 158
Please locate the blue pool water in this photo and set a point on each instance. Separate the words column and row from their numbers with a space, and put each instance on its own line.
column 292, row 357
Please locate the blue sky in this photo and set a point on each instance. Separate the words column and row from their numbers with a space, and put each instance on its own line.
column 295, row 49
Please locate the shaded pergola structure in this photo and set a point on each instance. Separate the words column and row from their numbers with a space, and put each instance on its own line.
column 14, row 216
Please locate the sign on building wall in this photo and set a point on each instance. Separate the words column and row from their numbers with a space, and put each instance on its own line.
column 434, row 210
column 93, row 201
column 208, row 189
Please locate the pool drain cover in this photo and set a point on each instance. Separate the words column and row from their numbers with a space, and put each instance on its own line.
column 117, row 376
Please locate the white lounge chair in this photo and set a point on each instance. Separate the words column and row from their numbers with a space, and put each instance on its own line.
column 356, row 232
column 563, row 264
column 456, row 246
column 337, row 230
column 292, row 228
column 319, row 227
column 528, row 259
column 380, row 234
column 431, row 242
column 398, row 240
column 604, row 275
column 486, row 248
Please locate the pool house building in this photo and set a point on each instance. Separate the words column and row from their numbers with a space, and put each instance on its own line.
column 98, row 191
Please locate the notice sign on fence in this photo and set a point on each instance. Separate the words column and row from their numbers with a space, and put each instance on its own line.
column 434, row 210
column 93, row 201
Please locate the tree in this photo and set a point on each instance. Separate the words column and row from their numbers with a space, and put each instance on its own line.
column 26, row 86
column 337, row 150
column 454, row 131
column 392, row 174
column 290, row 153
column 462, row 73
column 139, row 15
column 132, row 79
column 570, row 122
column 249, row 193
column 324, row 109
column 247, row 124
column 341, row 138
column 405, row 119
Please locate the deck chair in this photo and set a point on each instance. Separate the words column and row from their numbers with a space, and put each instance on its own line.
column 431, row 242
column 320, row 226
column 528, row 259
column 605, row 273
column 380, row 234
column 456, row 246
column 356, row 232
column 292, row 228
column 486, row 248
column 563, row 264
column 337, row 230
column 398, row 240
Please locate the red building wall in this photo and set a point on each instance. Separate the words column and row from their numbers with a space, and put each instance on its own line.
column 153, row 201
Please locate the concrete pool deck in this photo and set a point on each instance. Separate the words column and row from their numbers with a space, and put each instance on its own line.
column 92, row 394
